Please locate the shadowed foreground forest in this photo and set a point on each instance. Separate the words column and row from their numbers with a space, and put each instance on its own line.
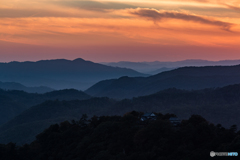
column 127, row 138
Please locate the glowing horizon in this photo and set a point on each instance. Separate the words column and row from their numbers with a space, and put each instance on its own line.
column 114, row 30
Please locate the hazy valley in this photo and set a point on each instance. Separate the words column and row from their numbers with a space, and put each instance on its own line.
column 212, row 92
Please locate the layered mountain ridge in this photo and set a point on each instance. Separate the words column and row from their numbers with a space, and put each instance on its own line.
column 181, row 78
column 61, row 73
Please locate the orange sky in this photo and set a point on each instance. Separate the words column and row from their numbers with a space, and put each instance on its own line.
column 116, row 30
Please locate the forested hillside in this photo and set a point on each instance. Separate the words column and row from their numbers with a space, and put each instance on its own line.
column 24, row 127
column 14, row 102
column 126, row 138
column 220, row 105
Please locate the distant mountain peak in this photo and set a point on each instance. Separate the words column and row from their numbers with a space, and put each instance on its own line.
column 61, row 73
column 79, row 60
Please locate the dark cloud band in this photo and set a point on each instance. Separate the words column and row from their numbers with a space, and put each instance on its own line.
column 157, row 16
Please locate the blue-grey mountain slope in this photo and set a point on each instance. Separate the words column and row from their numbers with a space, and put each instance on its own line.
column 182, row 78
column 61, row 73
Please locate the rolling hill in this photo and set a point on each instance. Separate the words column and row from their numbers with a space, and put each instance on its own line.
column 220, row 105
column 182, row 78
column 24, row 127
column 14, row 102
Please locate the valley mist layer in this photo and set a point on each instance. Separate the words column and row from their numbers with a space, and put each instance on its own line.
column 156, row 67
column 20, row 87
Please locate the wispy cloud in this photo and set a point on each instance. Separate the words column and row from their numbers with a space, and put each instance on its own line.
column 70, row 24
column 87, row 9
column 233, row 7
column 93, row 5
column 157, row 16
column 22, row 12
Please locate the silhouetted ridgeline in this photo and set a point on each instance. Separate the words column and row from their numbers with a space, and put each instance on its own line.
column 126, row 138
column 157, row 67
column 219, row 105
column 18, row 86
column 182, row 78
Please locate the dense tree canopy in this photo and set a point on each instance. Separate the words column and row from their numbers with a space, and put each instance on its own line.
column 127, row 138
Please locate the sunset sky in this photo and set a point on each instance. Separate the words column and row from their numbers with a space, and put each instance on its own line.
column 119, row 30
